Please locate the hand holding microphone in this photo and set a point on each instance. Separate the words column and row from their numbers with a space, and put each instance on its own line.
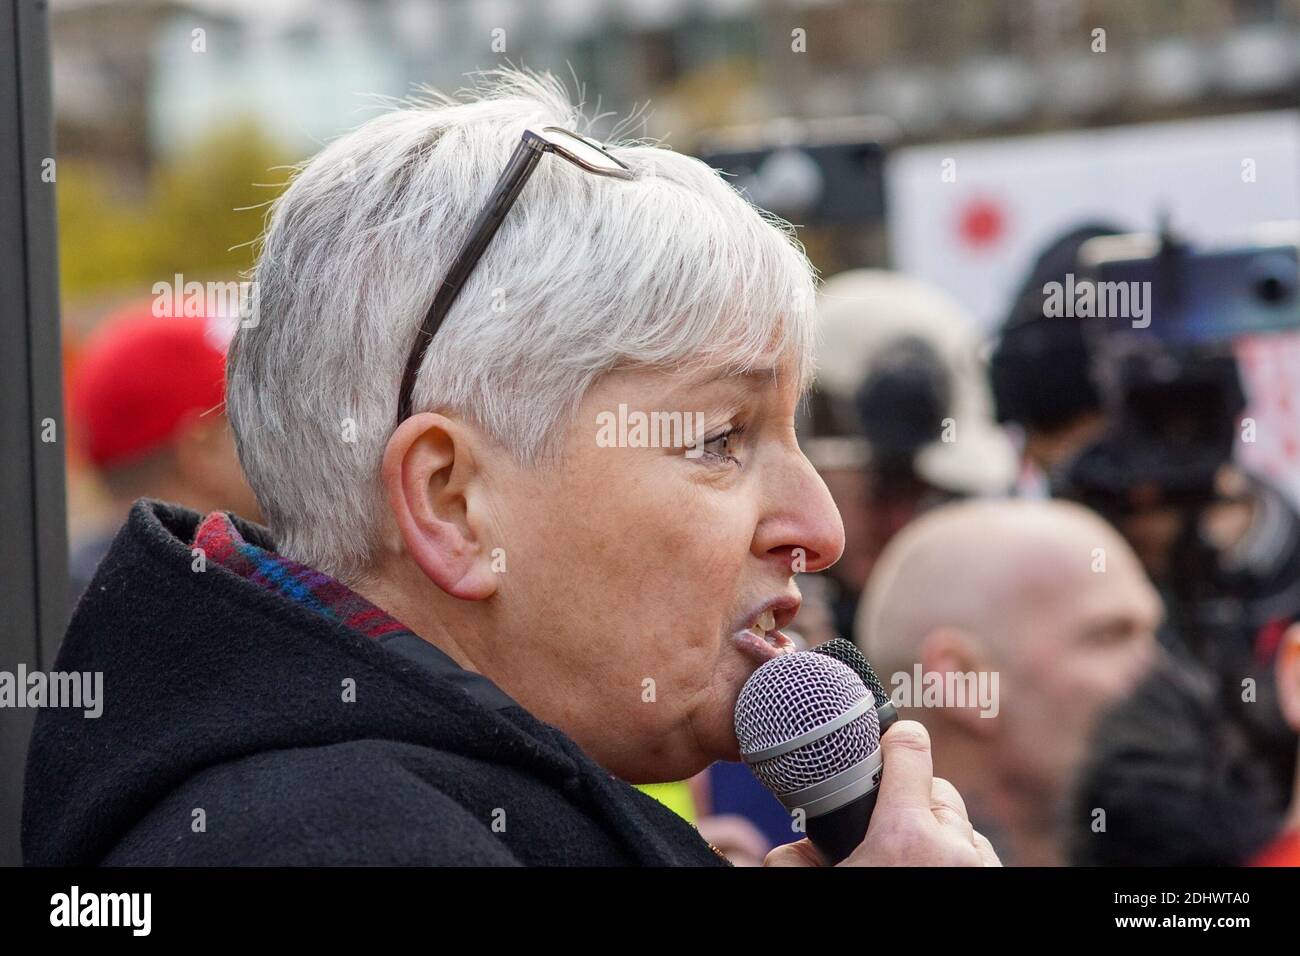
column 810, row 730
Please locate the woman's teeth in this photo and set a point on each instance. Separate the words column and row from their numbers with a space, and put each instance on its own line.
column 766, row 622
column 761, row 641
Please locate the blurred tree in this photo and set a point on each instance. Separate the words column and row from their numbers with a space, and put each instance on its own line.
column 210, row 204
column 103, row 242
column 202, row 213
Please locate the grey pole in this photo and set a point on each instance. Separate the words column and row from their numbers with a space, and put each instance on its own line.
column 33, row 543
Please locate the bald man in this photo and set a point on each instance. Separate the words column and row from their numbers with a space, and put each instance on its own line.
column 1020, row 621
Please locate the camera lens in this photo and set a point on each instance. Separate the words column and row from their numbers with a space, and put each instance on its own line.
column 1274, row 279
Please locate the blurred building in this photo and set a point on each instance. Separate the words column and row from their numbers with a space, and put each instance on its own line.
column 104, row 79
column 138, row 77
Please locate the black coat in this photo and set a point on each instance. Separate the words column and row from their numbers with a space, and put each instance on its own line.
column 225, row 739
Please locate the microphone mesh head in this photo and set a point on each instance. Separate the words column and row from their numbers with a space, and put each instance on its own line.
column 846, row 652
column 796, row 694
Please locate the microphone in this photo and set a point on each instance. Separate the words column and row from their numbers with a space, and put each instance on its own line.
column 846, row 652
column 808, row 729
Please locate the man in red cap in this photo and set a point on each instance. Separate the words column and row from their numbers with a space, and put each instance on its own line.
column 148, row 411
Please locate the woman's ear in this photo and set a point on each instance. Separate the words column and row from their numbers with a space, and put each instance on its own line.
column 435, row 493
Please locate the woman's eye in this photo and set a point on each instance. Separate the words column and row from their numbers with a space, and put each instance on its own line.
column 721, row 446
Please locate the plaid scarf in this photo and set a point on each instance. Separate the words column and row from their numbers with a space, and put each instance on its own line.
column 220, row 541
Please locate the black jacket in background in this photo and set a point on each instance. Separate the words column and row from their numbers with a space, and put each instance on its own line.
column 1178, row 784
column 223, row 704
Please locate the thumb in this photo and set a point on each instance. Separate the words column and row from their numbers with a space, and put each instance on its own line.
column 909, row 769
column 802, row 853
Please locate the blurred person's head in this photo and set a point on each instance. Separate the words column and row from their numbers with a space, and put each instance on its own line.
column 147, row 395
column 609, row 590
column 1044, row 595
column 899, row 368
column 1041, row 366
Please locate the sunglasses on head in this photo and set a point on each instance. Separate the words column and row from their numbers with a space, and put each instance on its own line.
column 582, row 152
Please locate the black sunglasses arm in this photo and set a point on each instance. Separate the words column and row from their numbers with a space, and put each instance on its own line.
column 522, row 162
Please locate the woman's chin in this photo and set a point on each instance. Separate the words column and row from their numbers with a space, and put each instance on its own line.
column 726, row 746
column 719, row 741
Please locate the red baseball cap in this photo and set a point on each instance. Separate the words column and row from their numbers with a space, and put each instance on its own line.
column 139, row 377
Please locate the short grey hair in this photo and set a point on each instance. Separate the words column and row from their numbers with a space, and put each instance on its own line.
column 587, row 274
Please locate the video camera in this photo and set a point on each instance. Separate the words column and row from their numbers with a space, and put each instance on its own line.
column 1162, row 318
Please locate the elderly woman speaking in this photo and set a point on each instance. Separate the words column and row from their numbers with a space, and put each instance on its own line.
column 519, row 409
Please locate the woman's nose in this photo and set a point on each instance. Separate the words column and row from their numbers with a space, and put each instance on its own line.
column 802, row 527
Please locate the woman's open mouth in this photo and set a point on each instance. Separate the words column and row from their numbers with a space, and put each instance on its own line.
column 761, row 640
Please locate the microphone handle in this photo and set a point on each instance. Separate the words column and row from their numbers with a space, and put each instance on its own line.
column 838, row 833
